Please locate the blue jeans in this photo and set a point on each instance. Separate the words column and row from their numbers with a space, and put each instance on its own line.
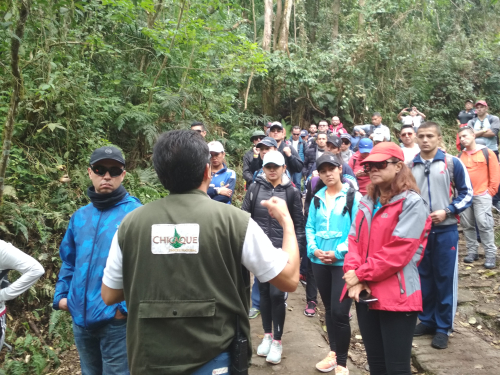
column 221, row 363
column 103, row 350
column 296, row 179
column 255, row 294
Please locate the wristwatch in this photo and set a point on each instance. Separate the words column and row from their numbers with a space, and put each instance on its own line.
column 448, row 212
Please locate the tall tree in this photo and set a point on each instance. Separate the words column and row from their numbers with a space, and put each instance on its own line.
column 8, row 129
column 336, row 14
column 285, row 26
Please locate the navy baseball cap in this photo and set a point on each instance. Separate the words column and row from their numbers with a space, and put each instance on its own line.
column 303, row 133
column 328, row 158
column 107, row 153
column 365, row 145
column 268, row 141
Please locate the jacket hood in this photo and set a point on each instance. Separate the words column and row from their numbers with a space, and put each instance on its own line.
column 321, row 194
column 285, row 181
column 440, row 155
column 357, row 156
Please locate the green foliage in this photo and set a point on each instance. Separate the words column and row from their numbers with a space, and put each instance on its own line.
column 123, row 71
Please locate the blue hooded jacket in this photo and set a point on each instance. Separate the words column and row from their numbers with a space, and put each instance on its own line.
column 329, row 231
column 221, row 178
column 84, row 251
column 301, row 147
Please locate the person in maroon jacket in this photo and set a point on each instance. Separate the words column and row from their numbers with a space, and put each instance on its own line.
column 386, row 244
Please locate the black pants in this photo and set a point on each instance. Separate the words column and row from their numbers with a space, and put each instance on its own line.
column 388, row 336
column 330, row 285
column 311, row 289
column 272, row 309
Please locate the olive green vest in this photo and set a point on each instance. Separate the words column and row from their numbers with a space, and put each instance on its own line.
column 183, row 282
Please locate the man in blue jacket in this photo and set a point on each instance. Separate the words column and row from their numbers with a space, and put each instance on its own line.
column 99, row 330
column 223, row 182
column 437, row 174
column 298, row 144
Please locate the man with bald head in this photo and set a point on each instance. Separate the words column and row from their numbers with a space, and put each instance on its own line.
column 336, row 127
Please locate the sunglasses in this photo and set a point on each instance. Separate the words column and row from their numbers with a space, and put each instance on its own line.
column 296, row 133
column 346, row 141
column 101, row 170
column 380, row 165
column 406, row 134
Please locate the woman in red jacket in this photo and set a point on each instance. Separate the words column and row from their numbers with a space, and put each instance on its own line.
column 386, row 244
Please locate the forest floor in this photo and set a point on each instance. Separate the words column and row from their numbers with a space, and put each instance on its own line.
column 474, row 347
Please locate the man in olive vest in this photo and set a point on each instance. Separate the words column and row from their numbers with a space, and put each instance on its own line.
column 178, row 263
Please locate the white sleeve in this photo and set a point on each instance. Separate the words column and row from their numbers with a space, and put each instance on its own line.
column 387, row 133
column 14, row 259
column 113, row 273
column 259, row 255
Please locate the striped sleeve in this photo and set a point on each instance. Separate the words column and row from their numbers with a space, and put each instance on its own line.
column 463, row 200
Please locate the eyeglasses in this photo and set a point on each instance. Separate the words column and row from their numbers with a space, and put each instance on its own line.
column 259, row 138
column 295, row 133
column 379, row 165
column 407, row 134
column 101, row 170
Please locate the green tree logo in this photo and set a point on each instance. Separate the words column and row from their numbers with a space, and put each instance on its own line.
column 176, row 243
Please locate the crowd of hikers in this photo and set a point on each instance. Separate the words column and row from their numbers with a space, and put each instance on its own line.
column 165, row 288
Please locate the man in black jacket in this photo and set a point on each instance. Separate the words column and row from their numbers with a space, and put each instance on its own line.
column 314, row 151
column 256, row 137
column 292, row 159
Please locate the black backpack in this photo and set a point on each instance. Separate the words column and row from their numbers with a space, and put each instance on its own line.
column 254, row 192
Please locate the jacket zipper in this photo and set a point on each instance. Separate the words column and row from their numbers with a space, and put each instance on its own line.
column 359, row 228
column 401, row 290
column 429, row 190
column 88, row 270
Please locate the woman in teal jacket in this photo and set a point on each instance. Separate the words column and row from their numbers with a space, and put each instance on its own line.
column 331, row 214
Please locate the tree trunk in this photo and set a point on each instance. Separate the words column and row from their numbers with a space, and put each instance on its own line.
column 277, row 22
column 285, row 26
column 268, row 27
column 313, row 19
column 336, row 13
column 361, row 17
column 14, row 100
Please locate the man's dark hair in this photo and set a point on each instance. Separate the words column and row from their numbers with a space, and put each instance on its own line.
column 199, row 123
column 296, row 128
column 180, row 158
column 407, row 127
column 321, row 133
column 430, row 124
column 376, row 114
column 466, row 128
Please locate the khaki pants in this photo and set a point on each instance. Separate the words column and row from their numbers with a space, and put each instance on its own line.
column 479, row 213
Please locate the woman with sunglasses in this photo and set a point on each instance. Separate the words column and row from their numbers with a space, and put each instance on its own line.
column 386, row 244
column 331, row 213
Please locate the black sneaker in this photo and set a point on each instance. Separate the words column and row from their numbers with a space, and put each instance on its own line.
column 470, row 258
column 421, row 329
column 440, row 341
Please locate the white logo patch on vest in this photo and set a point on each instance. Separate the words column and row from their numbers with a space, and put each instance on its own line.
column 175, row 238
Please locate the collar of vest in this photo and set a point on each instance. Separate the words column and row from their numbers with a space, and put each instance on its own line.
column 194, row 191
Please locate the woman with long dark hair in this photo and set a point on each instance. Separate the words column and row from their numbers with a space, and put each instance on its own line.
column 386, row 244
column 331, row 213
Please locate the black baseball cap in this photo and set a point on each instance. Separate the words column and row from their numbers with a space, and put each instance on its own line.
column 334, row 140
column 107, row 153
column 328, row 158
column 268, row 141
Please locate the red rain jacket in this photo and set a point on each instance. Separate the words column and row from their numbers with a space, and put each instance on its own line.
column 386, row 249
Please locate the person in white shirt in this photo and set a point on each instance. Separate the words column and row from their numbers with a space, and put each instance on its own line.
column 414, row 119
column 11, row 258
column 410, row 148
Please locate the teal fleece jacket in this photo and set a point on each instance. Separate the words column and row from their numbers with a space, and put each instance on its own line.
column 328, row 231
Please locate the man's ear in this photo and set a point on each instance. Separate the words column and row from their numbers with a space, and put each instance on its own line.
column 207, row 175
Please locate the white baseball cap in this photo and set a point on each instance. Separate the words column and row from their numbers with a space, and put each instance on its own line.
column 274, row 157
column 215, row 146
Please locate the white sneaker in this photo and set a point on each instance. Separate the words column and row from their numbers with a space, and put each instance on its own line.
column 265, row 346
column 274, row 355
